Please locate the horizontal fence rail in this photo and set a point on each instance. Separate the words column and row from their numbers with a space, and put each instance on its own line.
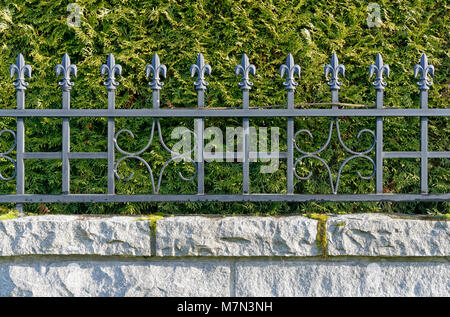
column 293, row 155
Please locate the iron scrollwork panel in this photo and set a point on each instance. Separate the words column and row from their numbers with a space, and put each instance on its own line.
column 7, row 157
column 334, row 184
column 138, row 156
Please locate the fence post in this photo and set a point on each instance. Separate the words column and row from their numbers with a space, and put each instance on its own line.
column 245, row 68
column 66, row 68
column 200, row 85
column 22, row 70
column 291, row 69
column 424, row 68
column 379, row 68
column 111, row 68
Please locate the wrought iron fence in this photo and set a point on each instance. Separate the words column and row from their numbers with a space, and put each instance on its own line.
column 293, row 155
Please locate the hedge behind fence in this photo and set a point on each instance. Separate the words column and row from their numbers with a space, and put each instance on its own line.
column 222, row 30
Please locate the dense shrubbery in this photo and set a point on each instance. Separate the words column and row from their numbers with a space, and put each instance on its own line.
column 223, row 30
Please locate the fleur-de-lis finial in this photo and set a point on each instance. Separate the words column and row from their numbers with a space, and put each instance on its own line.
column 201, row 69
column 245, row 68
column 424, row 68
column 156, row 68
column 334, row 68
column 21, row 69
column 291, row 69
column 66, row 68
column 379, row 68
column 112, row 69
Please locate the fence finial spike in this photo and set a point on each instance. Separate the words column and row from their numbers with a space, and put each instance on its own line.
column 156, row 68
column 379, row 68
column 22, row 70
column 66, row 68
column 334, row 68
column 112, row 69
column 291, row 69
column 245, row 69
column 201, row 69
column 424, row 68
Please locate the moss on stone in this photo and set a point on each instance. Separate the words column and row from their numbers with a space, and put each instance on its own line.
column 152, row 221
column 9, row 215
column 321, row 237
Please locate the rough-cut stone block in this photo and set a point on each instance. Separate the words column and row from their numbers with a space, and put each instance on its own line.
column 381, row 235
column 64, row 235
column 114, row 278
column 236, row 236
column 305, row 278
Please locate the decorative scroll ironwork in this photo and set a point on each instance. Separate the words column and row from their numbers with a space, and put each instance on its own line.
column 424, row 69
column 201, row 69
column 245, row 69
column 5, row 155
column 335, row 68
column 66, row 68
column 291, row 69
column 156, row 68
column 21, row 69
column 112, row 69
column 334, row 185
column 137, row 156
column 157, row 71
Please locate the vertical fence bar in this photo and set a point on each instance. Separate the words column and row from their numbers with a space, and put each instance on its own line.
column 379, row 68
column 379, row 144
column 66, row 68
column 111, row 152
column 22, row 70
column 20, row 175
column 200, row 85
column 246, row 145
column 424, row 68
column 112, row 69
column 245, row 68
column 66, row 145
column 291, row 69
column 334, row 68
column 200, row 123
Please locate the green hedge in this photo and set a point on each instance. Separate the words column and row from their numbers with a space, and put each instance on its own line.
column 222, row 30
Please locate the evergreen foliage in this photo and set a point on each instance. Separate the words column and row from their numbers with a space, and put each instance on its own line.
column 133, row 30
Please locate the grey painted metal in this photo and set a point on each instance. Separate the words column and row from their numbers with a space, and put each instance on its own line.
column 223, row 113
column 201, row 69
column 334, row 69
column 66, row 68
column 74, row 198
column 424, row 69
column 156, row 69
column 71, row 155
column 6, row 156
column 290, row 69
column 112, row 69
column 245, row 69
column 379, row 68
column 21, row 69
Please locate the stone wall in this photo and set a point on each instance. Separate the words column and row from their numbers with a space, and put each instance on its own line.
column 351, row 255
